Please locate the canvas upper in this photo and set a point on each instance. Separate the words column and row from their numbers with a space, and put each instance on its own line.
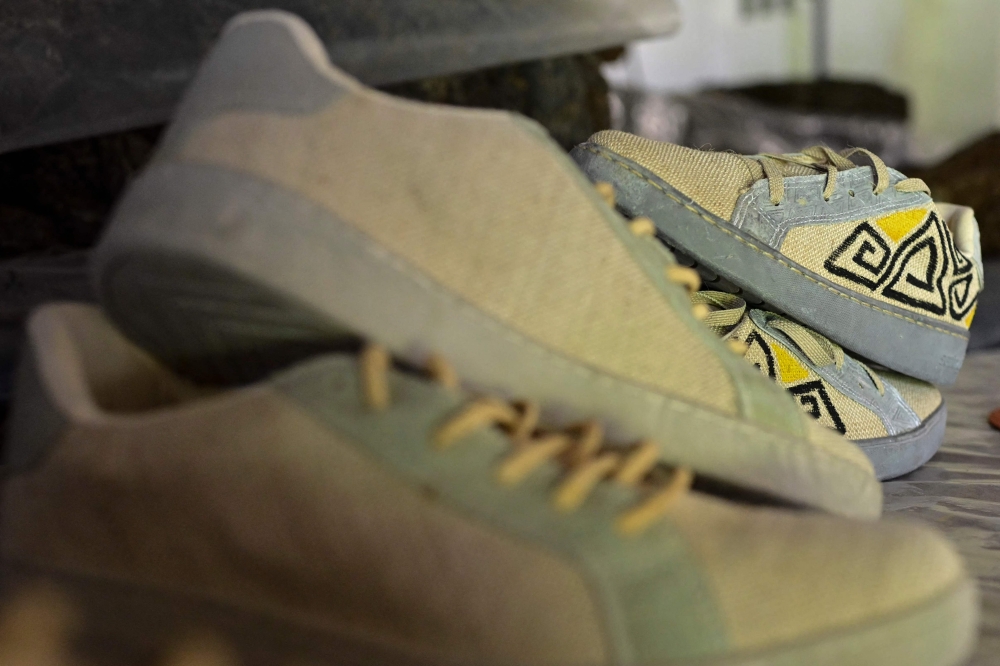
column 877, row 409
column 392, row 514
column 289, row 209
column 850, row 247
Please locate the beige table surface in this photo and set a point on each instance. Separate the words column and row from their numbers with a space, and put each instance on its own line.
column 958, row 491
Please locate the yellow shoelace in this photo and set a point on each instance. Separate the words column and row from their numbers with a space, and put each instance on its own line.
column 579, row 449
column 823, row 158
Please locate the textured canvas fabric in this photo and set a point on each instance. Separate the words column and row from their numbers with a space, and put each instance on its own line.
column 907, row 259
column 715, row 180
column 817, row 397
column 894, row 250
column 293, row 499
column 289, row 204
column 920, row 396
column 520, row 241
column 778, row 359
column 730, row 545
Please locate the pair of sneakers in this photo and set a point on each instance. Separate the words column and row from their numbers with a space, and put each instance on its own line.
column 856, row 254
column 376, row 381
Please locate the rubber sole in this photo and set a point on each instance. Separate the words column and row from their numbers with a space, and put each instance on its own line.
column 901, row 454
column 898, row 339
column 127, row 625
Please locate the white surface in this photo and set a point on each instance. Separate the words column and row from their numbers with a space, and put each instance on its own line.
column 945, row 54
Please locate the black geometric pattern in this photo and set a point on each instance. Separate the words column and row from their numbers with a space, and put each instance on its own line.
column 755, row 339
column 868, row 252
column 813, row 396
column 925, row 272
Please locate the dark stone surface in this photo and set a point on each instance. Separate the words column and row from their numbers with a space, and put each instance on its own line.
column 73, row 68
column 985, row 330
column 958, row 491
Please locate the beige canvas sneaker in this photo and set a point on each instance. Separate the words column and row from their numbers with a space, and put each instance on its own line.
column 351, row 510
column 858, row 253
column 290, row 209
column 896, row 420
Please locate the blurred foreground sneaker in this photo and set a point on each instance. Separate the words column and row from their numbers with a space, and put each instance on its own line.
column 896, row 420
column 290, row 210
column 351, row 510
column 857, row 253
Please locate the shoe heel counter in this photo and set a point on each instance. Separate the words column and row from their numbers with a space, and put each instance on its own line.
column 267, row 62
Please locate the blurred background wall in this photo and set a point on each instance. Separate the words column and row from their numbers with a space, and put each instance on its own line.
column 944, row 55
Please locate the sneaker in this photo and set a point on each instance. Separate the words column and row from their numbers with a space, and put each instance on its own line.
column 896, row 420
column 348, row 508
column 290, row 209
column 858, row 253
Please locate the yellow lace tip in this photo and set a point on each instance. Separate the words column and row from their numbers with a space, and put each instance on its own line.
column 513, row 469
column 509, row 475
column 607, row 192
column 631, row 526
column 441, row 440
column 685, row 277
column 738, row 347
column 374, row 376
column 642, row 226
column 969, row 318
column 700, row 311
column 442, row 372
column 567, row 502
column 637, row 520
column 638, row 464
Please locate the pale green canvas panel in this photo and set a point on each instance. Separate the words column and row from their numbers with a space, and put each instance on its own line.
column 655, row 598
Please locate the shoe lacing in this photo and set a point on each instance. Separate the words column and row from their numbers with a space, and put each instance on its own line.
column 823, row 158
column 579, row 449
column 728, row 310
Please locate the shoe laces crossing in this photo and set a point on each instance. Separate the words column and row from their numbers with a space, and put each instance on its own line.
column 823, row 158
column 729, row 309
column 820, row 350
column 578, row 449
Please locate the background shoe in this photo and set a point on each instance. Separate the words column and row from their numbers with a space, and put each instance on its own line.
column 857, row 253
column 291, row 210
column 346, row 509
column 896, row 420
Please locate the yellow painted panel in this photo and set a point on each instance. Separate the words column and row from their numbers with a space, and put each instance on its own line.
column 968, row 317
column 790, row 370
column 899, row 224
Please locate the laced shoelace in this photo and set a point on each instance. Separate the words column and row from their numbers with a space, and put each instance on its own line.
column 819, row 350
column 579, row 449
column 823, row 158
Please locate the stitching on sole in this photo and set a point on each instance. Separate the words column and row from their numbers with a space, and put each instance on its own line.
column 767, row 254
